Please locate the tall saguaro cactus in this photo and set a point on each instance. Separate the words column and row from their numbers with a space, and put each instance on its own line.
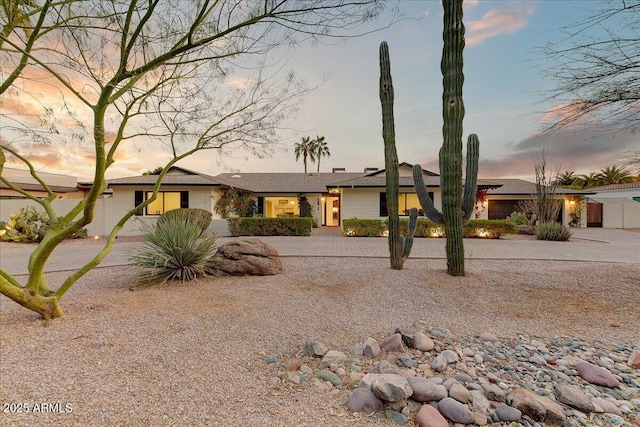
column 456, row 209
column 399, row 246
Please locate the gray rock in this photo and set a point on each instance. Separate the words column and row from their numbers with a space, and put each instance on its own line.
column 422, row 342
column 450, row 356
column 455, row 411
column 333, row 357
column 406, row 361
column 538, row 360
column 387, row 368
column 439, row 364
column 486, row 336
column 391, row 387
column 507, row 413
column 363, row 400
column 392, row 343
column 331, row 377
column 371, row 348
column 459, row 392
column 596, row 375
column 315, row 349
column 396, row 417
column 479, row 401
column 425, row 390
column 606, row 406
column 574, row 397
column 246, row 256
column 494, row 392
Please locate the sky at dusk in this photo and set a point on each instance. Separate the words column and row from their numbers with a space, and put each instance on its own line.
column 504, row 96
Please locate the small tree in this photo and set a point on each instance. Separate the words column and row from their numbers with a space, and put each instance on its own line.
column 544, row 205
column 150, row 71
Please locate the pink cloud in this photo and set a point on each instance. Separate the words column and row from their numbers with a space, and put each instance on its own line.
column 498, row 22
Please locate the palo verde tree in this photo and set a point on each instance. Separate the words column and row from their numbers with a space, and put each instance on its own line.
column 456, row 208
column 596, row 68
column 114, row 74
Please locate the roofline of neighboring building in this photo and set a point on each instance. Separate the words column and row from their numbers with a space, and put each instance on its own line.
column 38, row 187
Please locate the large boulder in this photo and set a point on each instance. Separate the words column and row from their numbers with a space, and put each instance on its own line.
column 246, row 256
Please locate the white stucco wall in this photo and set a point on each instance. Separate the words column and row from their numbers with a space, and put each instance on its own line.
column 364, row 203
column 124, row 198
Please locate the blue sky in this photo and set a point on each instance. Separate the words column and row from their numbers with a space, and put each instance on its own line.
column 504, row 95
column 504, row 90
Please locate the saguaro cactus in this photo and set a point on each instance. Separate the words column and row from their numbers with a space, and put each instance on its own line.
column 399, row 246
column 455, row 209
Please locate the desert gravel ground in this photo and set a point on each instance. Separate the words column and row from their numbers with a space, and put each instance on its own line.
column 193, row 353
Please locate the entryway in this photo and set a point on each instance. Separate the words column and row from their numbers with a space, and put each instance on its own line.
column 330, row 210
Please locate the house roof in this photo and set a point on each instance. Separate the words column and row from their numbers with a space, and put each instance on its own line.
column 612, row 187
column 284, row 182
column 522, row 187
column 175, row 176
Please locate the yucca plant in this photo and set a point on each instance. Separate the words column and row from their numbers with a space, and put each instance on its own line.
column 174, row 250
column 553, row 231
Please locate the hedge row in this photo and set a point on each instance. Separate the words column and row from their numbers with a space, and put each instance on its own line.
column 259, row 226
column 480, row 228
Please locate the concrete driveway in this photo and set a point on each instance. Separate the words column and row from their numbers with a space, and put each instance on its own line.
column 587, row 244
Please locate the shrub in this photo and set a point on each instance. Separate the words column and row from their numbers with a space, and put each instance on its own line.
column 424, row 228
column 174, row 249
column 28, row 225
column 200, row 217
column 258, row 226
column 234, row 202
column 553, row 231
column 489, row 229
column 356, row 227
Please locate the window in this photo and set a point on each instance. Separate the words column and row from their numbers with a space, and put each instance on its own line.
column 406, row 201
column 166, row 201
column 280, row 207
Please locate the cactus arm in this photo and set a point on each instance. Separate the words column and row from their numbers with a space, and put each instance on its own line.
column 425, row 201
column 407, row 241
column 471, row 177
column 390, row 157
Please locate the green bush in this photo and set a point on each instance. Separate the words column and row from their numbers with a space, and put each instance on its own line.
column 553, row 231
column 174, row 250
column 356, row 227
column 424, row 228
column 200, row 217
column 257, row 226
column 28, row 225
column 489, row 228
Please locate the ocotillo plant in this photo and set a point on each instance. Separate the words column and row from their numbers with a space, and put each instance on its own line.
column 455, row 209
column 399, row 246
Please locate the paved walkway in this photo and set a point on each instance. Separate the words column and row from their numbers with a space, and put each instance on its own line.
column 591, row 244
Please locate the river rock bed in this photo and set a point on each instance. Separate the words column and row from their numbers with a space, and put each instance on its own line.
column 433, row 379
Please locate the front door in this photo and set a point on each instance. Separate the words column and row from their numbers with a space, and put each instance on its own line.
column 331, row 210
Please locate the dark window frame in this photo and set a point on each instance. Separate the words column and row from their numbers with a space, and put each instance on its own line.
column 140, row 196
column 383, row 204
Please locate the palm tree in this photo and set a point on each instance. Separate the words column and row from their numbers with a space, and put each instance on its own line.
column 614, row 175
column 587, row 181
column 321, row 149
column 565, row 179
column 306, row 149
